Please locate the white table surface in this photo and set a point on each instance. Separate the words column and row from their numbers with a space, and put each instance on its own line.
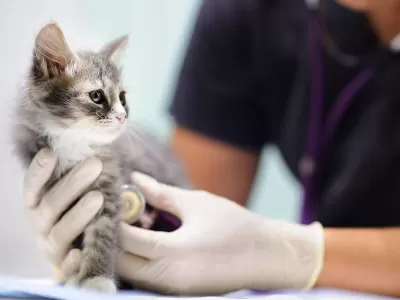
column 10, row 286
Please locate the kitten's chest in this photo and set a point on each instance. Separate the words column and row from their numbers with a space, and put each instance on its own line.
column 70, row 151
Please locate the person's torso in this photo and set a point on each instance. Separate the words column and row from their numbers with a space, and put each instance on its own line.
column 359, row 182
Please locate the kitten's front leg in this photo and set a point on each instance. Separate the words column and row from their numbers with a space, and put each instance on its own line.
column 101, row 240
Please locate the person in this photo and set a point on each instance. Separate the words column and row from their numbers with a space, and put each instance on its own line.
column 318, row 79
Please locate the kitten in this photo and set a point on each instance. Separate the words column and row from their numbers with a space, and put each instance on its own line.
column 75, row 104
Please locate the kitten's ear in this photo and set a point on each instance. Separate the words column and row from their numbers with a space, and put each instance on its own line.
column 52, row 51
column 115, row 48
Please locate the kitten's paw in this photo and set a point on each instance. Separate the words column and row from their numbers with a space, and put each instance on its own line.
column 100, row 283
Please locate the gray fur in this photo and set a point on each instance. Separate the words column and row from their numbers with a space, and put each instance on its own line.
column 54, row 110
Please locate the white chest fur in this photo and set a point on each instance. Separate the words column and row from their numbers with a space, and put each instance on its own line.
column 71, row 148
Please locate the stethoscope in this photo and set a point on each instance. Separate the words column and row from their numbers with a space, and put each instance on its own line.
column 134, row 207
column 133, row 203
column 321, row 131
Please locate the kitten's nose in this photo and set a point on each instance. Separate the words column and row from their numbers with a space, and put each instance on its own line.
column 120, row 117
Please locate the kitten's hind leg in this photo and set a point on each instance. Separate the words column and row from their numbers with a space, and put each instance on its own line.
column 100, row 250
column 98, row 257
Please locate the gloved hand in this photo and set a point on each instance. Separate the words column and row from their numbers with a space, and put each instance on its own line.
column 220, row 247
column 43, row 207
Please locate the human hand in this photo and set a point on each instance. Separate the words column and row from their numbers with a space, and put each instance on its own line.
column 44, row 206
column 220, row 247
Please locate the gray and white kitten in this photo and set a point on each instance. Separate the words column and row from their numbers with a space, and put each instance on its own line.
column 75, row 104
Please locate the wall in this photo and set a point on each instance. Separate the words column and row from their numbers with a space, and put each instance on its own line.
column 158, row 35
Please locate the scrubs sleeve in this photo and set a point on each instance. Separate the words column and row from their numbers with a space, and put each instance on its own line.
column 217, row 93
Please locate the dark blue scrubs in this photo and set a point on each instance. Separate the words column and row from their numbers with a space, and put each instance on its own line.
column 245, row 80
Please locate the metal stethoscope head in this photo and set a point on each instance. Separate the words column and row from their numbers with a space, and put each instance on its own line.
column 133, row 204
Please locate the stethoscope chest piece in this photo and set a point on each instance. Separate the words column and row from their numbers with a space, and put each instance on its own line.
column 133, row 204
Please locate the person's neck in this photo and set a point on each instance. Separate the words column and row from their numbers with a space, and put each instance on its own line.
column 386, row 22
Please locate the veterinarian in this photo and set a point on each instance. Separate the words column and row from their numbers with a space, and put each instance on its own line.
column 320, row 80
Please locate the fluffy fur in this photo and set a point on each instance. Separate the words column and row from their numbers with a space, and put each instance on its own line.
column 74, row 103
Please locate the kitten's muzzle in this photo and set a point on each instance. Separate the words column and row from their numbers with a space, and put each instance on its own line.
column 120, row 117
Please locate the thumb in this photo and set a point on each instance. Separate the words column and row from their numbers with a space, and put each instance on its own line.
column 161, row 196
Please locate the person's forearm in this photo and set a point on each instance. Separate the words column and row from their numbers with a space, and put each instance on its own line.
column 218, row 168
column 365, row 260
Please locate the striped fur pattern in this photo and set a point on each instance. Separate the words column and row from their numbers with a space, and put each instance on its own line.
column 74, row 103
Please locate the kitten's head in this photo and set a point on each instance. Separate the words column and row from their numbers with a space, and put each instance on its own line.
column 79, row 92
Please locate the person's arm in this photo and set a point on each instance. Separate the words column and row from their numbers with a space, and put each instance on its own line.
column 220, row 121
column 263, row 253
column 365, row 260
column 216, row 167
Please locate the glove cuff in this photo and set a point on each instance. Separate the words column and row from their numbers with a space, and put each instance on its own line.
column 320, row 254
column 295, row 254
column 305, row 247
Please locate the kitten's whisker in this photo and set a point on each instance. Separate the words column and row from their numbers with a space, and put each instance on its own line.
column 77, row 123
column 99, row 114
column 140, row 139
column 73, row 126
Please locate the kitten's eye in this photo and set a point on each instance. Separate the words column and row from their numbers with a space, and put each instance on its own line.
column 122, row 98
column 97, row 96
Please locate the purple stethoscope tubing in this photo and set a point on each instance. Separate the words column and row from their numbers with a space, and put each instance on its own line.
column 321, row 132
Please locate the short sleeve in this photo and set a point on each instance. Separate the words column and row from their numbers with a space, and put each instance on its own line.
column 216, row 93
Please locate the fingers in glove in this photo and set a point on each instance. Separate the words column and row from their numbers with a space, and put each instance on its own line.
column 146, row 243
column 37, row 175
column 72, row 224
column 58, row 275
column 161, row 196
column 150, row 275
column 65, row 192
column 70, row 265
column 134, row 268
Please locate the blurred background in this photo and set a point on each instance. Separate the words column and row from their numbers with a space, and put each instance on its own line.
column 159, row 31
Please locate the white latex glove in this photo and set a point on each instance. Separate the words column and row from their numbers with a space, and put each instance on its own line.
column 43, row 207
column 220, row 247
